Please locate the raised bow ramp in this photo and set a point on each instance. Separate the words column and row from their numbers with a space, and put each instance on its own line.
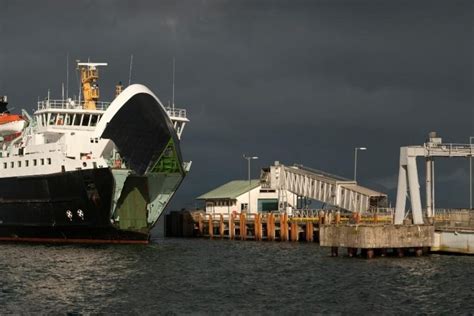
column 147, row 141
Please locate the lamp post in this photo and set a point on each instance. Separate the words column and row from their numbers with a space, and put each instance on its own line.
column 470, row 173
column 355, row 160
column 250, row 183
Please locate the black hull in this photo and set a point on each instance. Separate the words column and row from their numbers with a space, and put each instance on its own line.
column 63, row 207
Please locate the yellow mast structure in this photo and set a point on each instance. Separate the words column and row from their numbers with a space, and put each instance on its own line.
column 90, row 87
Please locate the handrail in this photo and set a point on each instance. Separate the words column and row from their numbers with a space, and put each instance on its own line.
column 175, row 112
column 63, row 104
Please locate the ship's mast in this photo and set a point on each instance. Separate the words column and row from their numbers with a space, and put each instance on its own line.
column 90, row 87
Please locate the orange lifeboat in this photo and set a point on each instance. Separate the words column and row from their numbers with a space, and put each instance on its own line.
column 10, row 124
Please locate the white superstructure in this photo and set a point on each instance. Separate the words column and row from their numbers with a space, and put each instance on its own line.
column 65, row 134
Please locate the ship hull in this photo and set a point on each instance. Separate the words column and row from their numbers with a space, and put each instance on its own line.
column 64, row 207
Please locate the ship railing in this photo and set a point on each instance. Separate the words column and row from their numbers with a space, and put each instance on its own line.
column 69, row 104
column 175, row 112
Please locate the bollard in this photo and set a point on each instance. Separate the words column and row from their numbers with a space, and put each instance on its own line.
column 294, row 231
column 211, row 227
column 309, row 231
column 200, row 225
column 232, row 226
column 221, row 225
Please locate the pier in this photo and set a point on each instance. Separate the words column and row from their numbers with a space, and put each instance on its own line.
column 357, row 218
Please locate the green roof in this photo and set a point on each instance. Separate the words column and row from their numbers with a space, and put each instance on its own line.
column 230, row 190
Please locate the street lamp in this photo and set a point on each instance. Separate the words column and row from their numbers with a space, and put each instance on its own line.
column 250, row 183
column 470, row 172
column 355, row 160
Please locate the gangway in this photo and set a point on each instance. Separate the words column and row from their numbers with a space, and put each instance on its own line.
column 408, row 175
column 321, row 186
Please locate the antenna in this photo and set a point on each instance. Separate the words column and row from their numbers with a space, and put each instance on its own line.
column 62, row 91
column 130, row 71
column 172, row 103
column 67, row 75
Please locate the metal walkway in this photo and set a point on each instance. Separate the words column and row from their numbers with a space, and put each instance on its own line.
column 321, row 186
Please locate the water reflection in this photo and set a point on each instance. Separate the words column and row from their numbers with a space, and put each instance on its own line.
column 193, row 275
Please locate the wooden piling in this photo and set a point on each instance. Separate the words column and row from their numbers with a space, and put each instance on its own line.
column 200, row 225
column 211, row 226
column 370, row 253
column 284, row 227
column 221, row 226
column 270, row 227
column 358, row 217
column 243, row 226
column 352, row 252
column 309, row 231
column 294, row 231
column 258, row 227
column 321, row 218
column 232, row 226
column 334, row 251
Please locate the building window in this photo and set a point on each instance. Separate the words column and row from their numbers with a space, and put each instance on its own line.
column 243, row 206
column 49, row 161
column 4, row 165
column 27, row 163
column 42, row 161
column 35, row 162
column 19, row 164
column 12, row 164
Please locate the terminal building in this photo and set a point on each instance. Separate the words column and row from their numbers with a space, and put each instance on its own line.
column 234, row 196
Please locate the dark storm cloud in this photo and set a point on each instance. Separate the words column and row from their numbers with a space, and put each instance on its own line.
column 295, row 81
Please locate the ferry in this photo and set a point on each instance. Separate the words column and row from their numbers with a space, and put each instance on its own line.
column 88, row 171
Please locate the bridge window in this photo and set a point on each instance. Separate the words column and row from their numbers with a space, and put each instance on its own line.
column 94, row 120
column 52, row 118
column 67, row 120
column 77, row 119
column 60, row 120
column 85, row 120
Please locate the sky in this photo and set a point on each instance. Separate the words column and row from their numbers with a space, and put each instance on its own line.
column 292, row 81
